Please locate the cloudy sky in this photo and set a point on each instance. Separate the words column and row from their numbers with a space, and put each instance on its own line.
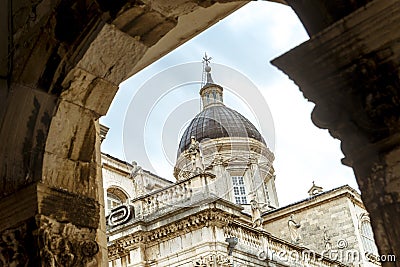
column 152, row 108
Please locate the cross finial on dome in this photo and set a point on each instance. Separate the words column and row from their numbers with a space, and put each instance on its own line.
column 210, row 92
column 207, row 69
column 206, row 59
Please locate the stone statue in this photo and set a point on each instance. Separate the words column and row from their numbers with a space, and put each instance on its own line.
column 327, row 240
column 195, row 156
column 135, row 169
column 137, row 178
column 256, row 214
column 293, row 230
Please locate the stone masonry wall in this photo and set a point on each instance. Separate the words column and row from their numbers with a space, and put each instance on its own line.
column 327, row 225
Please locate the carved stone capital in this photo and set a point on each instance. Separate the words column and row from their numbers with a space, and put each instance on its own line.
column 14, row 243
column 64, row 244
column 351, row 72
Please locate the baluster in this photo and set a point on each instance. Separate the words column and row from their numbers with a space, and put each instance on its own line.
column 164, row 198
column 174, row 196
column 190, row 189
column 185, row 191
column 145, row 206
column 156, row 203
column 179, row 193
column 170, row 196
column 152, row 204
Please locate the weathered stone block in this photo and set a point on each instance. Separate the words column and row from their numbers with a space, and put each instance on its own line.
column 112, row 55
column 72, row 132
column 88, row 91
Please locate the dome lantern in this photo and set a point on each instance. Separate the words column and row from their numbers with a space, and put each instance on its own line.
column 211, row 93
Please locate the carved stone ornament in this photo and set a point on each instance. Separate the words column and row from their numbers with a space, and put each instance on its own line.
column 123, row 245
column 196, row 159
column 327, row 240
column 380, row 100
column 218, row 159
column 64, row 244
column 293, row 227
column 189, row 224
column 12, row 247
column 256, row 214
column 213, row 260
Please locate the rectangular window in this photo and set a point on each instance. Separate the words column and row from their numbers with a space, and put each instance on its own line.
column 367, row 238
column 239, row 190
column 236, row 191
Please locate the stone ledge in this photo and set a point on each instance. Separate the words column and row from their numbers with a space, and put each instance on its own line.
column 65, row 206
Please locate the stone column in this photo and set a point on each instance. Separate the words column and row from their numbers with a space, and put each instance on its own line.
column 350, row 71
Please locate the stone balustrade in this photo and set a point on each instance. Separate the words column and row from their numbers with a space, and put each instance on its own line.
column 245, row 236
column 176, row 195
column 284, row 252
column 270, row 248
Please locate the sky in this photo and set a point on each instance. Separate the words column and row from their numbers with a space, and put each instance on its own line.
column 153, row 107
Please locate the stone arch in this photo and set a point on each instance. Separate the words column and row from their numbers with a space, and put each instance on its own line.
column 119, row 192
column 115, row 196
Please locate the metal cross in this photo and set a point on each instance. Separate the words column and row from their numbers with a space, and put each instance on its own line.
column 206, row 59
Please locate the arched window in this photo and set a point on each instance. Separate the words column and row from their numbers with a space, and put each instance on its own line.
column 115, row 197
column 112, row 201
column 367, row 236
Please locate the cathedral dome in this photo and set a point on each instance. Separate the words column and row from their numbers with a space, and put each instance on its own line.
column 221, row 141
column 218, row 121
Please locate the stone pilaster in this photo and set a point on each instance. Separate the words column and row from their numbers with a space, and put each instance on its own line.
column 350, row 71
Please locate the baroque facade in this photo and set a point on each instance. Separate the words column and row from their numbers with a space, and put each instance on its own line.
column 223, row 209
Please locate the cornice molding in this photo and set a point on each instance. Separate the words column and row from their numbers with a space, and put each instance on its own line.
column 206, row 218
column 312, row 202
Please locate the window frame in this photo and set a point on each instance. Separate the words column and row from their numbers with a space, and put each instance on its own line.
column 367, row 235
column 239, row 189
